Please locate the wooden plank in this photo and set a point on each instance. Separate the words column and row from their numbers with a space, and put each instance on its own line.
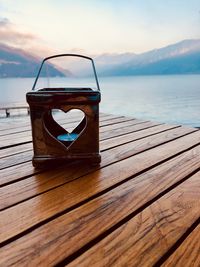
column 114, row 121
column 129, row 129
column 119, row 140
column 107, row 120
column 70, row 232
column 126, row 138
column 25, row 169
column 25, row 147
column 145, row 238
column 6, row 123
column 24, row 137
column 59, row 199
column 15, row 150
column 132, row 149
column 121, row 125
column 188, row 253
column 106, row 135
column 18, row 122
column 26, row 156
column 16, row 159
column 19, row 158
column 14, row 193
column 102, row 121
column 17, row 172
column 15, row 130
column 19, row 135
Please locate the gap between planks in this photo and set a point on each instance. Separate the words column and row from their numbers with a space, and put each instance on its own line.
column 18, row 124
column 22, row 138
column 25, row 170
column 24, row 188
column 119, row 172
column 110, row 119
column 187, row 253
column 76, row 229
column 143, row 239
column 105, row 133
column 15, row 149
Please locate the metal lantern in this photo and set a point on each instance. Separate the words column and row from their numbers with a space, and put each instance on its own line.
column 51, row 142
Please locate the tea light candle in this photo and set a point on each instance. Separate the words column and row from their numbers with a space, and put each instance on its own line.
column 70, row 137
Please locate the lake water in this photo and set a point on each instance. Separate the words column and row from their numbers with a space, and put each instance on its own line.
column 171, row 99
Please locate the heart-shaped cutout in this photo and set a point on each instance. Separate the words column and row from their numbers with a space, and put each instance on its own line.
column 72, row 122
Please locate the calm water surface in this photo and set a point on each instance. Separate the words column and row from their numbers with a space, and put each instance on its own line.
column 171, row 98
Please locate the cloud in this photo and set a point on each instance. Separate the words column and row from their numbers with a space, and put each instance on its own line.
column 11, row 35
column 3, row 21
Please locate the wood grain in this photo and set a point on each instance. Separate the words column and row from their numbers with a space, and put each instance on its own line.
column 11, row 123
column 24, row 137
column 15, row 150
column 26, row 156
column 26, row 169
column 14, row 128
column 145, row 132
column 59, row 199
column 121, row 131
column 16, row 159
column 144, row 239
column 116, row 141
column 107, row 119
column 18, row 122
column 17, row 172
column 132, row 148
column 135, row 209
column 26, row 189
column 71, row 231
column 188, row 253
column 121, row 125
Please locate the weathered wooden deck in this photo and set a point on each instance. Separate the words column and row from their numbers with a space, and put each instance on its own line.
column 141, row 207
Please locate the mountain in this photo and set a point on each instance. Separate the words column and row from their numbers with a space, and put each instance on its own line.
column 17, row 63
column 182, row 64
column 179, row 58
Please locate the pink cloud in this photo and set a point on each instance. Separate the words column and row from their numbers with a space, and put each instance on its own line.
column 10, row 35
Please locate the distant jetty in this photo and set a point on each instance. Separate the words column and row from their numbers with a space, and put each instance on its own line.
column 13, row 106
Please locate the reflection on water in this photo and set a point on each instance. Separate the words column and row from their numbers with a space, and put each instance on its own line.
column 171, row 98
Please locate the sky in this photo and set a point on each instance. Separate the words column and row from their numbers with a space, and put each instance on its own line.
column 97, row 26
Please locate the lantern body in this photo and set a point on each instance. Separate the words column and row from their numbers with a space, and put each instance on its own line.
column 52, row 143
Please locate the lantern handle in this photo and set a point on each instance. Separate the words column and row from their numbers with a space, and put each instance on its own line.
column 73, row 55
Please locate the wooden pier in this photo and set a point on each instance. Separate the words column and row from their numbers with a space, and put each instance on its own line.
column 14, row 106
column 140, row 207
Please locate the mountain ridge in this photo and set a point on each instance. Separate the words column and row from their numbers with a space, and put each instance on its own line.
column 179, row 58
column 19, row 63
column 170, row 54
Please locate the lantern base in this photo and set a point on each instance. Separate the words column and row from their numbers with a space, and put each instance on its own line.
column 45, row 162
